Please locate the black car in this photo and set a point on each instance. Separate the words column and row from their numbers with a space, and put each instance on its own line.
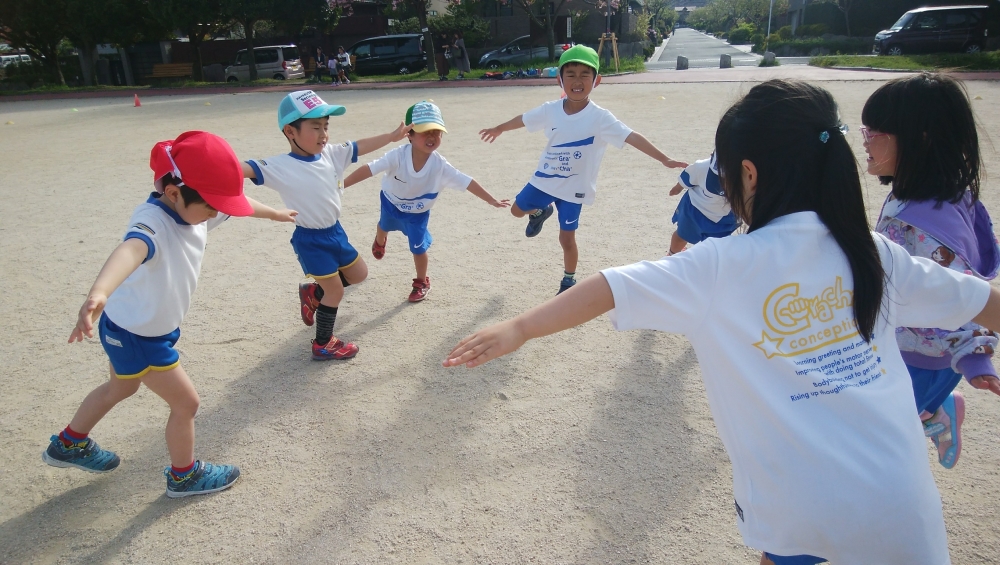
column 389, row 54
column 933, row 30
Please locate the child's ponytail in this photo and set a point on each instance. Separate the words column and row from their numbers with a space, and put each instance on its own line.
column 791, row 132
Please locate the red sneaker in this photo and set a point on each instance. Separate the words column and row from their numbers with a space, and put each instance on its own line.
column 420, row 289
column 334, row 349
column 378, row 251
column 308, row 302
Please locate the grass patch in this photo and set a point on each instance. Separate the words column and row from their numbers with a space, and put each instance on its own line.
column 936, row 61
column 631, row 64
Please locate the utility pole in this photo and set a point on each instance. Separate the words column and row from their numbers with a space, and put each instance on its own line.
column 768, row 36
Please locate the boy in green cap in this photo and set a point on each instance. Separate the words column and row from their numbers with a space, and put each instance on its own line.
column 578, row 131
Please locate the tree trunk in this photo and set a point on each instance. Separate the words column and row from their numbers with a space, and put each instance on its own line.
column 87, row 64
column 550, row 32
column 197, row 73
column 428, row 39
column 52, row 61
column 251, row 60
column 847, row 22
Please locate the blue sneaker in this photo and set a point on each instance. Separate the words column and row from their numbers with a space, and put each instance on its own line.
column 949, row 442
column 565, row 285
column 86, row 455
column 535, row 223
column 204, row 479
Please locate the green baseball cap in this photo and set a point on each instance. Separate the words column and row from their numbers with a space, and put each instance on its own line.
column 424, row 116
column 580, row 54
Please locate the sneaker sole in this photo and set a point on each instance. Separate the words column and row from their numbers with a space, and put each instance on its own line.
column 421, row 299
column 65, row 465
column 956, row 432
column 172, row 494
column 351, row 356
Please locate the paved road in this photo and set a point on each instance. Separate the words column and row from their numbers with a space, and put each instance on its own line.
column 702, row 51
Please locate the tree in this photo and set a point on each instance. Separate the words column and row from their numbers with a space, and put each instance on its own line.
column 546, row 20
column 38, row 27
column 845, row 7
column 419, row 9
column 197, row 19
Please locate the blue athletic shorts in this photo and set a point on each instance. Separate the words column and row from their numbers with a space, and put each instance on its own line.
column 322, row 253
column 795, row 559
column 132, row 356
column 530, row 198
column 932, row 386
column 413, row 225
column 693, row 226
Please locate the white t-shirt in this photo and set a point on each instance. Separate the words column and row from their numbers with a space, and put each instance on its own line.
column 309, row 185
column 153, row 300
column 568, row 168
column 829, row 457
column 412, row 191
column 705, row 190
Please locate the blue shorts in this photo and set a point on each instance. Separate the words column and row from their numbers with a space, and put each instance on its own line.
column 322, row 253
column 932, row 386
column 413, row 225
column 694, row 227
column 530, row 198
column 795, row 559
column 132, row 356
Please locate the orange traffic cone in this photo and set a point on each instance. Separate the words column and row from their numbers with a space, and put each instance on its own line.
column 137, row 103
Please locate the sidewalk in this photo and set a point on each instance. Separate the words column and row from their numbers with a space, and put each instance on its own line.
column 737, row 74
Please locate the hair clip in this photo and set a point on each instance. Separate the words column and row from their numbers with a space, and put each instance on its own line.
column 824, row 136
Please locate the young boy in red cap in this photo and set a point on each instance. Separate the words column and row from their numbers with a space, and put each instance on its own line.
column 310, row 178
column 140, row 297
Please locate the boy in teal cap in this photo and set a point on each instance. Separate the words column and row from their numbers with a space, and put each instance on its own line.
column 311, row 175
column 578, row 131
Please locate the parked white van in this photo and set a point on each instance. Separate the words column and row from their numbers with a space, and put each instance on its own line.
column 11, row 59
column 274, row 61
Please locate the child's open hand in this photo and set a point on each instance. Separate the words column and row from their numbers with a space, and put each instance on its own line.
column 500, row 203
column 986, row 382
column 486, row 344
column 676, row 189
column 671, row 164
column 490, row 134
column 89, row 312
column 400, row 133
column 285, row 215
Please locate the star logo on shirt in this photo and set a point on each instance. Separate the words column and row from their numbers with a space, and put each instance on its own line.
column 769, row 345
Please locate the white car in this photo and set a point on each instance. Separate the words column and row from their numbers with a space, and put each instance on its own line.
column 274, row 61
column 11, row 59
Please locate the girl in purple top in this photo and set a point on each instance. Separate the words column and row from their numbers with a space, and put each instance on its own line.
column 920, row 136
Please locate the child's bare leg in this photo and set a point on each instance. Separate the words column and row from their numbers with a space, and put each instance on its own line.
column 333, row 290
column 354, row 274
column 570, row 252
column 764, row 560
column 420, row 262
column 101, row 400
column 677, row 243
column 518, row 212
column 381, row 237
column 178, row 391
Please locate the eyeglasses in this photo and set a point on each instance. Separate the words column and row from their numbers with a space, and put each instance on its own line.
column 870, row 134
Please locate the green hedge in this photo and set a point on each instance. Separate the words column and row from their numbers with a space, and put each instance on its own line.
column 814, row 46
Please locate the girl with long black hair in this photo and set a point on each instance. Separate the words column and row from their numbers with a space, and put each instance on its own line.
column 793, row 325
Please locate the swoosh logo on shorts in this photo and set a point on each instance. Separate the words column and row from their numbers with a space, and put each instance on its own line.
column 416, row 246
column 573, row 222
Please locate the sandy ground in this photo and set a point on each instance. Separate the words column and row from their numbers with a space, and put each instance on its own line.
column 587, row 447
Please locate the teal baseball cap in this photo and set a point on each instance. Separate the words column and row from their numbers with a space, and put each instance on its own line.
column 305, row 104
column 580, row 54
column 424, row 116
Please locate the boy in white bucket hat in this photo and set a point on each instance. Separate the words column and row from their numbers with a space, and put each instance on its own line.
column 309, row 178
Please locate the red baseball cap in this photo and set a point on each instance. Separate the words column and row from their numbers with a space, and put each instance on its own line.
column 207, row 164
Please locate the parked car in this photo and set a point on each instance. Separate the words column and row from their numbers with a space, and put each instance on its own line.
column 517, row 52
column 933, row 30
column 389, row 54
column 11, row 59
column 274, row 61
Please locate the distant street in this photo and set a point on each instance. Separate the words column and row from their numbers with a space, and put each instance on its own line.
column 703, row 51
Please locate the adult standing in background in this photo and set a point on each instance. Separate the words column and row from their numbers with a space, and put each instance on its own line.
column 322, row 66
column 460, row 55
column 441, row 48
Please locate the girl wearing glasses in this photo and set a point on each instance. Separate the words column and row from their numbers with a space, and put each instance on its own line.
column 920, row 136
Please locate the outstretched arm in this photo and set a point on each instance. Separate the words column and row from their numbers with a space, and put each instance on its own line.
column 247, row 170
column 480, row 192
column 369, row 144
column 677, row 189
column 989, row 318
column 266, row 212
column 359, row 174
column 122, row 262
column 489, row 135
column 582, row 303
column 637, row 140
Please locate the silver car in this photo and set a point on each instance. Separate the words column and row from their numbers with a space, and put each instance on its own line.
column 274, row 61
column 517, row 52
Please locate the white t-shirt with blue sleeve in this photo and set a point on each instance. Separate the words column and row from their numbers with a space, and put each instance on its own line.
column 413, row 191
column 568, row 168
column 312, row 186
column 705, row 189
column 153, row 300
